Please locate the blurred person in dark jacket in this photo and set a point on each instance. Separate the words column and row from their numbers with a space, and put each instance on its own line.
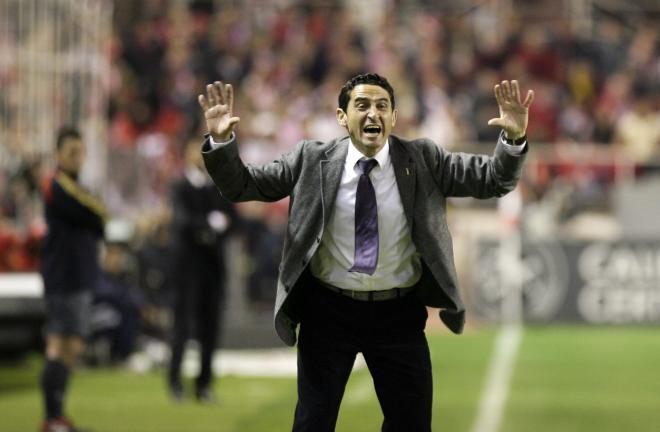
column 201, row 220
column 117, row 304
column 70, row 270
column 154, row 261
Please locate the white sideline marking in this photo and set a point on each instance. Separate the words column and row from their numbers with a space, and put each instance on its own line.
column 494, row 395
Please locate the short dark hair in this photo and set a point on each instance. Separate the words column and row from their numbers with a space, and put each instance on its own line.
column 65, row 133
column 368, row 78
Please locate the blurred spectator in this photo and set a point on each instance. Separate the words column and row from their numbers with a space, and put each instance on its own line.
column 22, row 224
column 262, row 229
column 201, row 221
column 153, row 254
column 70, row 271
column 612, row 102
column 115, row 320
column 638, row 129
column 538, row 54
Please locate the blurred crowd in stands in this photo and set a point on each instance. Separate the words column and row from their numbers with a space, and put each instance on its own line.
column 595, row 88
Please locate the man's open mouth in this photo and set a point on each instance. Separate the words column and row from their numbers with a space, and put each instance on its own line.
column 371, row 129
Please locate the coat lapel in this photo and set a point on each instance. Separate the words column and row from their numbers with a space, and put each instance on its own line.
column 331, row 171
column 404, row 171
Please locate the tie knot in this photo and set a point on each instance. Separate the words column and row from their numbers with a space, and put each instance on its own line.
column 366, row 165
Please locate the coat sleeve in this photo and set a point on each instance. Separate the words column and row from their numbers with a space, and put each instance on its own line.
column 240, row 182
column 478, row 176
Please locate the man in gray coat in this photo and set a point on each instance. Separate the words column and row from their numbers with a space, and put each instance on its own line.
column 367, row 245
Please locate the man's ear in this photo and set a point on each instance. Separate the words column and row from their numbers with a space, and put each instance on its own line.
column 341, row 117
column 394, row 115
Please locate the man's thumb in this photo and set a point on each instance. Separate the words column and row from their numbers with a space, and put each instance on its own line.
column 496, row 122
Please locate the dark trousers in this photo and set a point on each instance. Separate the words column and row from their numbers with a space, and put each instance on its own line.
column 197, row 306
column 390, row 336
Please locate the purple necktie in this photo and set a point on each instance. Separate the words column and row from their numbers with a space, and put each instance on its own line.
column 366, row 222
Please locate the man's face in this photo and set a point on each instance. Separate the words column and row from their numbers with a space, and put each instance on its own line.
column 71, row 155
column 369, row 118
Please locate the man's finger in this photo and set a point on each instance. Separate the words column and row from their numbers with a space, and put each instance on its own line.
column 496, row 122
column 202, row 102
column 498, row 94
column 230, row 97
column 211, row 95
column 515, row 91
column 233, row 121
column 529, row 98
column 506, row 90
column 216, row 96
column 220, row 92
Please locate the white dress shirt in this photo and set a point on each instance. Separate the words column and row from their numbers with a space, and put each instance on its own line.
column 398, row 261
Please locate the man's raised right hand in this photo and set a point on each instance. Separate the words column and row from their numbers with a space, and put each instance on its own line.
column 218, row 107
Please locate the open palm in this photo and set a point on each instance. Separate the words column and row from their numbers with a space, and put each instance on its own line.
column 513, row 113
column 218, row 107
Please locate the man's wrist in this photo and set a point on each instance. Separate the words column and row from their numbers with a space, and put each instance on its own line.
column 217, row 142
column 515, row 139
column 221, row 139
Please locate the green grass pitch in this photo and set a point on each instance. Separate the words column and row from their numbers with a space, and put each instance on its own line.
column 565, row 379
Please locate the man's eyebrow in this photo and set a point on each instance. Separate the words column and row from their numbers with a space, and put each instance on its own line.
column 364, row 98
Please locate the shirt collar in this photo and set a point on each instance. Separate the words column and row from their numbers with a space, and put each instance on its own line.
column 354, row 155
